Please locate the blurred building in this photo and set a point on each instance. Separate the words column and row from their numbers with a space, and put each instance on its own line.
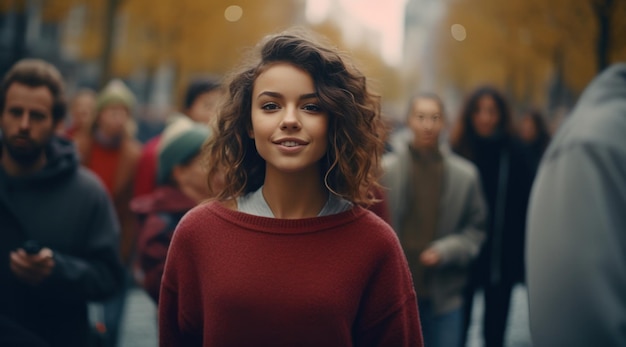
column 421, row 16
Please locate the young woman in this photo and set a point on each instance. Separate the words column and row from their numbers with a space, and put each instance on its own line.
column 286, row 255
column 485, row 136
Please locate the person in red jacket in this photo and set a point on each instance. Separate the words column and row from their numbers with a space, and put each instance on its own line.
column 286, row 255
column 182, row 185
column 200, row 104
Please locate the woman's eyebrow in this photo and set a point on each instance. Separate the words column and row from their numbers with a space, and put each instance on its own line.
column 269, row 93
column 279, row 95
column 308, row 96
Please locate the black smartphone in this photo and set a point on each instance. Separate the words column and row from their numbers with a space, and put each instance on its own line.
column 31, row 247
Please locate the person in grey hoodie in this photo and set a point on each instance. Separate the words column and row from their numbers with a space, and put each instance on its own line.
column 59, row 234
column 439, row 213
column 576, row 255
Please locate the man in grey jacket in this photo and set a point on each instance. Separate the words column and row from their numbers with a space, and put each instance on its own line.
column 438, row 211
column 58, row 230
column 576, row 255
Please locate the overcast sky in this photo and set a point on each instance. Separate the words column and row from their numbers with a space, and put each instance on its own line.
column 386, row 17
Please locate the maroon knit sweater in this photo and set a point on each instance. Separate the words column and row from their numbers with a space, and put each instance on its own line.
column 234, row 279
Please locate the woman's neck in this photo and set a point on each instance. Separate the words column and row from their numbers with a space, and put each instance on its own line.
column 294, row 196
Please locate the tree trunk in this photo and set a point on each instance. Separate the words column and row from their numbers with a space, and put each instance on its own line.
column 603, row 9
column 109, row 36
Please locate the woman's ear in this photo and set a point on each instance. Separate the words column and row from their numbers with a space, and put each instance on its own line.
column 250, row 133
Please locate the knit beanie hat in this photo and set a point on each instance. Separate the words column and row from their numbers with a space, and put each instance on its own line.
column 115, row 92
column 180, row 141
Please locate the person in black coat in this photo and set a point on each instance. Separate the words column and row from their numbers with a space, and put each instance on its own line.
column 485, row 135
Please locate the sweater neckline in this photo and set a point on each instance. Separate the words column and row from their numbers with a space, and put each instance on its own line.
column 255, row 203
column 286, row 226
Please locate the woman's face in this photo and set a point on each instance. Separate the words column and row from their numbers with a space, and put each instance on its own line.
column 487, row 117
column 112, row 120
column 82, row 110
column 289, row 127
column 204, row 108
column 193, row 176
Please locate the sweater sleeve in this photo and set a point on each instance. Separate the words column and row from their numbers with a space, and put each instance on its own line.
column 393, row 182
column 97, row 272
column 462, row 246
column 389, row 315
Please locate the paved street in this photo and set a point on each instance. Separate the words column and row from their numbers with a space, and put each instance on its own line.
column 139, row 324
column 518, row 334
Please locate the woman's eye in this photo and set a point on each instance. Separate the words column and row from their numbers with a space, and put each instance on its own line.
column 270, row 106
column 312, row 108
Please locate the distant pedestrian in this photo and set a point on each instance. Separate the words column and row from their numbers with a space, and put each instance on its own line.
column 82, row 113
column 576, row 252
column 59, row 245
column 200, row 105
column 535, row 135
column 111, row 151
column 485, row 135
column 286, row 255
column 181, row 186
column 202, row 99
column 439, row 214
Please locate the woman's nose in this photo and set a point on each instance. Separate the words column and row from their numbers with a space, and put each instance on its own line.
column 290, row 119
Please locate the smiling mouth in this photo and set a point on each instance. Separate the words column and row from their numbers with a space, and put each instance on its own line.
column 290, row 144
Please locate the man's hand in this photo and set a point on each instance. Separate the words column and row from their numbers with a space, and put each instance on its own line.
column 430, row 257
column 32, row 268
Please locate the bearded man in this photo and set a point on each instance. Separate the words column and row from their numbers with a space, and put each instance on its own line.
column 59, row 233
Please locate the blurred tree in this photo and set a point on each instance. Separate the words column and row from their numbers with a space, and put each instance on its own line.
column 196, row 37
column 16, row 45
column 191, row 38
column 604, row 12
column 538, row 51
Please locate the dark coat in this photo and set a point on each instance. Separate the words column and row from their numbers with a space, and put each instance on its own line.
column 66, row 209
column 506, row 192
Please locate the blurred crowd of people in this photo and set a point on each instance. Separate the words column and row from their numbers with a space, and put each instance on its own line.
column 88, row 211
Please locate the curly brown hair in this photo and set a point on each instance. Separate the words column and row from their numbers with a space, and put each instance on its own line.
column 355, row 135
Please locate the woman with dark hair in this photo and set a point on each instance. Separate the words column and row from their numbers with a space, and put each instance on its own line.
column 286, row 255
column 485, row 135
column 534, row 133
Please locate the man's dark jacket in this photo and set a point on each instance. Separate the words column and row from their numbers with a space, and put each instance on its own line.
column 65, row 208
